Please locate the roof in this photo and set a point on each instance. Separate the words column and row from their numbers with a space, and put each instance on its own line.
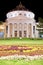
column 20, row 7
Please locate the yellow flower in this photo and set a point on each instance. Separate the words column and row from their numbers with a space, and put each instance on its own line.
column 26, row 50
column 34, row 49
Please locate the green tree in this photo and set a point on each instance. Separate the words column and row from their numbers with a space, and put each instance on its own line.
column 1, row 22
column 40, row 21
column 40, row 25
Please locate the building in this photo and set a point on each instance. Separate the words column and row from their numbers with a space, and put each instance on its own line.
column 20, row 22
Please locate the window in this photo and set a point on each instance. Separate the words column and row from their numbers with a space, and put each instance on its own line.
column 11, row 15
column 29, row 23
column 15, row 33
column 33, row 29
column 6, row 29
column 20, row 14
column 20, row 33
column 29, row 14
column 24, row 14
column 24, row 33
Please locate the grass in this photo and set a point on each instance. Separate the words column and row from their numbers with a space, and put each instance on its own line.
column 21, row 62
column 17, row 41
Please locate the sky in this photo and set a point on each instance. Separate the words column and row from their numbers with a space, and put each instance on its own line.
column 36, row 6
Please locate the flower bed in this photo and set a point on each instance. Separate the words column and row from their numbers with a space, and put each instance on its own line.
column 20, row 50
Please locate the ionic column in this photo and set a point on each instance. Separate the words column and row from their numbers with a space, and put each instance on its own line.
column 32, row 32
column 13, row 30
column 27, row 30
column 8, row 35
column 35, row 30
column 22, row 33
column 22, row 30
column 17, row 30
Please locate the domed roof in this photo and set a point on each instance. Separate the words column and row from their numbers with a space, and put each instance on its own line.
column 20, row 7
column 20, row 10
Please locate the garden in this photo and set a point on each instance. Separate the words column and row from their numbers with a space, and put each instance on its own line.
column 14, row 47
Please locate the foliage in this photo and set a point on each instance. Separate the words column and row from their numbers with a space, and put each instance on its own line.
column 40, row 32
column 1, row 22
column 40, row 22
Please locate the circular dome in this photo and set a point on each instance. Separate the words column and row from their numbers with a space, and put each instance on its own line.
column 20, row 10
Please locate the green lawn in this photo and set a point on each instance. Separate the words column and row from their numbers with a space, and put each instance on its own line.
column 21, row 62
column 17, row 41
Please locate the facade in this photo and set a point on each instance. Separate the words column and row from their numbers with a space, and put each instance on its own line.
column 20, row 23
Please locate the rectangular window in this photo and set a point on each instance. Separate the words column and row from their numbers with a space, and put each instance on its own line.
column 24, row 33
column 15, row 33
column 33, row 29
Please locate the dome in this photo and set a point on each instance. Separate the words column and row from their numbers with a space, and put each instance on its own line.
column 20, row 10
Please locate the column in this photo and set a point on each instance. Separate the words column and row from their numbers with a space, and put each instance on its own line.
column 27, row 30
column 4, row 32
column 8, row 31
column 35, row 31
column 32, row 32
column 17, row 30
column 13, row 30
column 22, row 30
